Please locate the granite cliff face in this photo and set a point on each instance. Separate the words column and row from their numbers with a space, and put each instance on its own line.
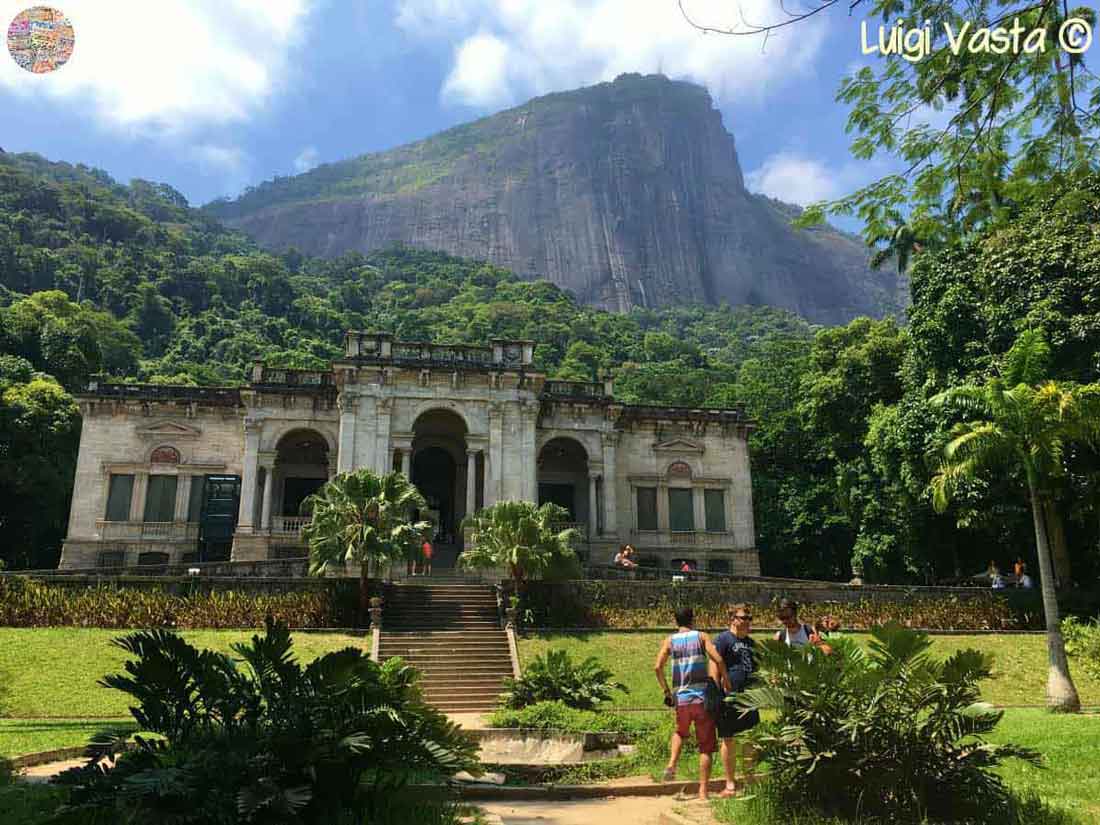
column 626, row 193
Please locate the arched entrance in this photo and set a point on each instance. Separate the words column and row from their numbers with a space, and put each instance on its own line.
column 438, row 471
column 301, row 469
column 563, row 477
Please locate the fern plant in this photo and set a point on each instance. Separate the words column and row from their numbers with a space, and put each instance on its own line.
column 555, row 677
column 263, row 739
column 887, row 733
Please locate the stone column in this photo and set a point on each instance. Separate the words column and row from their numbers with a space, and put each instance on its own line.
column 471, row 481
column 383, row 457
column 698, row 504
column 529, row 457
column 610, row 490
column 348, row 405
column 593, row 506
column 406, row 452
column 267, row 461
column 494, row 471
column 183, row 497
column 662, row 506
column 141, row 489
column 249, row 475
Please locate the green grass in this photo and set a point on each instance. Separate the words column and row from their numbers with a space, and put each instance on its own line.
column 1019, row 663
column 52, row 672
column 19, row 737
column 1069, row 778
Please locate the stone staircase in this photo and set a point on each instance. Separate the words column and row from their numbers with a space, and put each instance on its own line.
column 450, row 632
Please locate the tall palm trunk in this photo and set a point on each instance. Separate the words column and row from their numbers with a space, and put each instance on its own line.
column 1059, row 551
column 1061, row 693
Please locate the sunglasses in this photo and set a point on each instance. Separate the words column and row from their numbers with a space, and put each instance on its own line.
column 744, row 618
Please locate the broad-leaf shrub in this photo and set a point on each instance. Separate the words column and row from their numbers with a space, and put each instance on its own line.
column 1083, row 643
column 555, row 677
column 558, row 716
column 888, row 732
column 269, row 741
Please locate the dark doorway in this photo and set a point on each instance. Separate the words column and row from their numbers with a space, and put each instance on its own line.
column 561, row 494
column 297, row 490
column 433, row 473
column 221, row 501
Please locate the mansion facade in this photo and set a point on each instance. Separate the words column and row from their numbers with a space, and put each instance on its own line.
column 171, row 474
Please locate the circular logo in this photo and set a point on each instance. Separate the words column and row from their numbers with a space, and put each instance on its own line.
column 40, row 39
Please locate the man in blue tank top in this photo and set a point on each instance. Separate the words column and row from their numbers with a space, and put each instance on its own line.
column 694, row 660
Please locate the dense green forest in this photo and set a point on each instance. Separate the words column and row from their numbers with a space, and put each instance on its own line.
column 97, row 277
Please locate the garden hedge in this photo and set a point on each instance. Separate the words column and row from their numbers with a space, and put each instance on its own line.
column 630, row 604
column 238, row 603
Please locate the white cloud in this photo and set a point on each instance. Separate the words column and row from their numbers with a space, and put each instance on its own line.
column 306, row 160
column 480, row 73
column 214, row 159
column 169, row 67
column 794, row 179
column 506, row 50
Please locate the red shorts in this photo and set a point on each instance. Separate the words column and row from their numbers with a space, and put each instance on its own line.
column 706, row 733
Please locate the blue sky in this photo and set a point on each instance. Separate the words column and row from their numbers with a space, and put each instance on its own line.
column 213, row 96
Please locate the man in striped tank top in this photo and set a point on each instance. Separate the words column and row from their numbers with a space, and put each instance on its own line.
column 694, row 659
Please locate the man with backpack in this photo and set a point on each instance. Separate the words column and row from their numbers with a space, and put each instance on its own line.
column 735, row 646
column 794, row 632
column 694, row 663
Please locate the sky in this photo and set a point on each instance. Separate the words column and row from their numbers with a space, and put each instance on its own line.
column 211, row 97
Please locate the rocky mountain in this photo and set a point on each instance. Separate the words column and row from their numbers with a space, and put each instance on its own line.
column 626, row 193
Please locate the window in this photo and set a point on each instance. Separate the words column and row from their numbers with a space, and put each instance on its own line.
column 119, row 494
column 160, row 500
column 647, row 508
column 194, row 504
column 715, row 505
column 681, row 510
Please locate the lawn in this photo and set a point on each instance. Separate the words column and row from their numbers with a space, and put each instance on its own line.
column 52, row 672
column 22, row 736
column 1019, row 663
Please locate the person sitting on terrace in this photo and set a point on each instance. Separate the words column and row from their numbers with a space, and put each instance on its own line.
column 625, row 557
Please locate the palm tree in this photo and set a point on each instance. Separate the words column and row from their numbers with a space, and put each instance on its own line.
column 1022, row 421
column 361, row 516
column 518, row 535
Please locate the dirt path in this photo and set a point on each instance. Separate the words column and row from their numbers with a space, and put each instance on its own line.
column 634, row 810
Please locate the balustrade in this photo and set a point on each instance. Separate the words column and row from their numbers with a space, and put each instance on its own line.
column 289, row 525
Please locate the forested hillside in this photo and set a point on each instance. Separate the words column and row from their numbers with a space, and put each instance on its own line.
column 127, row 280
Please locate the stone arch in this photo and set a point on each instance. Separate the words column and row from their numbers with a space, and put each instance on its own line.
column 680, row 470
column 165, row 454
column 589, row 442
column 301, row 468
column 276, row 433
column 427, row 408
column 563, row 465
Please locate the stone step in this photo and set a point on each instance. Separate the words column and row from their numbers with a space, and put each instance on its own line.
column 469, row 654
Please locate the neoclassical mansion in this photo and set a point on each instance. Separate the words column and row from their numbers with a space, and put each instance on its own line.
column 178, row 474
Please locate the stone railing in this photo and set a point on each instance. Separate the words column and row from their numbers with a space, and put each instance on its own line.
column 593, row 390
column 677, row 538
column 288, row 525
column 139, row 530
column 381, row 348
column 220, row 396
column 277, row 378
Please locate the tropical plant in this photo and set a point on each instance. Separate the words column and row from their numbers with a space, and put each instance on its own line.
column 558, row 716
column 520, row 536
column 885, row 732
column 1021, row 422
column 555, row 677
column 361, row 517
column 1083, row 643
column 269, row 742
